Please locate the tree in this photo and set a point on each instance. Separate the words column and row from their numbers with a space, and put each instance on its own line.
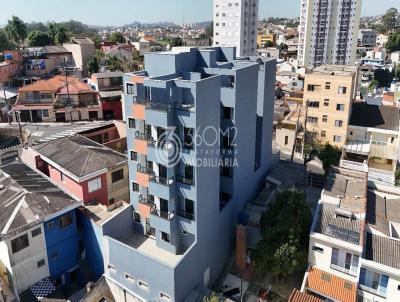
column 212, row 298
column 389, row 19
column 384, row 77
column 393, row 43
column 114, row 64
column 373, row 85
column 176, row 42
column 397, row 72
column 38, row 38
column 93, row 65
column 268, row 44
column 117, row 37
column 285, row 226
column 210, row 30
column 58, row 33
column 5, row 43
column 16, row 30
column 330, row 156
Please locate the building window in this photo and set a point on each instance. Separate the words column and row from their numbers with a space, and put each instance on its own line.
column 335, row 256
column 65, row 220
column 328, row 85
column 41, row 263
column 337, row 138
column 323, row 133
column 375, row 281
column 19, row 243
column 317, row 249
column 324, row 118
column 129, row 88
column 51, row 224
column 227, row 113
column 340, row 107
column 111, row 267
column 312, row 120
column 135, row 187
column 36, row 232
column 62, row 177
column 134, row 156
column 313, row 87
column 347, row 263
column 313, row 104
column 129, row 277
column 342, row 90
column 165, row 236
column 286, row 140
column 94, row 185
column 136, row 217
column 226, row 171
column 117, row 175
column 132, row 123
column 165, row 297
column 338, row 123
column 326, row 102
column 143, row 285
column 45, row 113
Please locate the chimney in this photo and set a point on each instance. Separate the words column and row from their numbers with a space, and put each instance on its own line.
column 241, row 247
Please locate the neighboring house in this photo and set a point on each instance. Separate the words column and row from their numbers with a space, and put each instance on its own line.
column 39, row 68
column 82, row 168
column 329, row 92
column 11, row 66
column 39, row 237
column 263, row 38
column 197, row 42
column 354, row 251
column 142, row 46
column 110, row 86
column 82, row 50
column 337, row 237
column 382, row 39
column 367, row 37
column 373, row 142
column 53, row 100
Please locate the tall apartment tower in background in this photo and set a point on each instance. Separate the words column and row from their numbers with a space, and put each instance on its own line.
column 328, row 32
column 235, row 24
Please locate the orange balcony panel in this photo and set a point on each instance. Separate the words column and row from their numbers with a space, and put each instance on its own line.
column 138, row 79
column 144, row 210
column 139, row 111
column 142, row 179
column 141, row 146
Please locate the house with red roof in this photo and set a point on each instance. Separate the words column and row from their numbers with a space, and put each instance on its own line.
column 58, row 99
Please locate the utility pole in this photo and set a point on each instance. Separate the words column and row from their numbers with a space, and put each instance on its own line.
column 69, row 100
column 5, row 101
column 18, row 117
column 295, row 131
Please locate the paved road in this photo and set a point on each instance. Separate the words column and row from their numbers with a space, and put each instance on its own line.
column 44, row 132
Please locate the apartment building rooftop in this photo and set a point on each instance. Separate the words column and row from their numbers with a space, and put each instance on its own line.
column 381, row 211
column 332, row 286
column 334, row 70
column 298, row 296
column 100, row 214
column 79, row 155
column 26, row 197
column 55, row 49
column 81, row 40
column 373, row 116
column 383, row 250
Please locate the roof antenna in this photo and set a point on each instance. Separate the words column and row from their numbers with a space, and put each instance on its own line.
column 385, row 207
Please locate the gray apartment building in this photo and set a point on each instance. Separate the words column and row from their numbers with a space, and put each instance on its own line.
column 367, row 37
column 199, row 127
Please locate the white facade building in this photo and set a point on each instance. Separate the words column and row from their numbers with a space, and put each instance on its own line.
column 235, row 24
column 328, row 32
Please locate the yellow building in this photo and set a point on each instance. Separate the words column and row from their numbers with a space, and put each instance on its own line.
column 262, row 39
column 329, row 92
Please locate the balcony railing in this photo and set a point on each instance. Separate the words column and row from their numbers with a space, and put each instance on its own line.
column 145, row 170
column 343, row 270
column 146, row 201
column 162, row 180
column 184, row 214
column 143, row 136
column 186, row 181
column 159, row 106
column 162, row 214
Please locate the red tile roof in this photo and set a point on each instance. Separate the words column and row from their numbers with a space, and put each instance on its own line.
column 56, row 84
column 298, row 296
column 331, row 286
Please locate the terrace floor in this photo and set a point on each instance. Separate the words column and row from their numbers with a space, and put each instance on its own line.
column 147, row 245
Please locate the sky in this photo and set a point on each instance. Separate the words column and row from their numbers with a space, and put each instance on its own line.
column 120, row 12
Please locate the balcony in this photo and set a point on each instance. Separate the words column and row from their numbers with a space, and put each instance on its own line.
column 161, row 187
column 358, row 147
column 353, row 165
column 184, row 214
column 186, row 181
column 383, row 150
column 141, row 142
column 158, row 114
column 143, row 175
column 342, row 269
